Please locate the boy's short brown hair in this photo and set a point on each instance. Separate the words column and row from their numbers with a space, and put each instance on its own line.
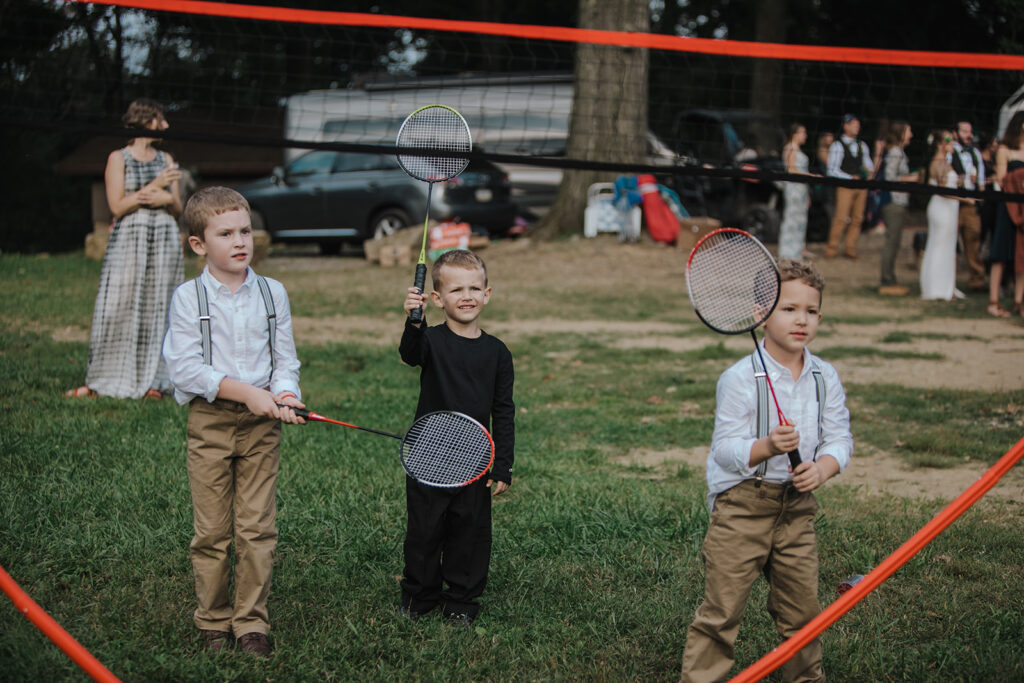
column 804, row 271
column 456, row 258
column 207, row 203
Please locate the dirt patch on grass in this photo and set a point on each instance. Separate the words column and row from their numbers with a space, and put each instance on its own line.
column 914, row 344
column 874, row 471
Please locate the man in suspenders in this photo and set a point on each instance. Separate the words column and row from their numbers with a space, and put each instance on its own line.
column 848, row 157
column 966, row 161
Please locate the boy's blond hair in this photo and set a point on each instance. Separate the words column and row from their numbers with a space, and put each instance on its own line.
column 457, row 258
column 207, row 203
column 804, row 271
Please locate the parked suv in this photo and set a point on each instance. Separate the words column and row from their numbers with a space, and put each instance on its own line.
column 330, row 198
column 743, row 140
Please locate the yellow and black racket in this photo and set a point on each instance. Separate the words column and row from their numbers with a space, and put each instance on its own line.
column 427, row 139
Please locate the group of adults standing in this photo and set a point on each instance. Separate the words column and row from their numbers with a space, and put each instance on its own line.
column 144, row 261
column 953, row 162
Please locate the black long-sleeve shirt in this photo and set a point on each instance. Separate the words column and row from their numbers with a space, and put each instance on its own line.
column 471, row 376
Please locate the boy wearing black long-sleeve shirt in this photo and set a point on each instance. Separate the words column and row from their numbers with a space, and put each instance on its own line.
column 448, row 537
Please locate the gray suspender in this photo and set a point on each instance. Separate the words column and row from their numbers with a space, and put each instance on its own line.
column 268, row 304
column 204, row 320
column 761, row 378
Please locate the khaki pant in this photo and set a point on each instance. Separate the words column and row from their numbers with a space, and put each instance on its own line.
column 895, row 216
column 849, row 216
column 233, row 458
column 970, row 229
column 756, row 530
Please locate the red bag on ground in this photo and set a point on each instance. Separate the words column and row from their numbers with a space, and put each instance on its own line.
column 661, row 222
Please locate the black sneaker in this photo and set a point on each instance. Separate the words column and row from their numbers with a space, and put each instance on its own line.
column 407, row 612
column 458, row 619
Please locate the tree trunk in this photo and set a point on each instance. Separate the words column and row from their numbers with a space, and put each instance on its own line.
column 766, row 85
column 609, row 109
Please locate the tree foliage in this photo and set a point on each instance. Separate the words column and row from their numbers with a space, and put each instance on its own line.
column 64, row 64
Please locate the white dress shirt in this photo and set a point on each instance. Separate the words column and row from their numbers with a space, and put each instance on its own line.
column 845, row 145
column 736, row 421
column 239, row 337
column 967, row 159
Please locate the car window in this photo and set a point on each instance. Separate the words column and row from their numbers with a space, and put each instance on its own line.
column 317, row 162
column 347, row 162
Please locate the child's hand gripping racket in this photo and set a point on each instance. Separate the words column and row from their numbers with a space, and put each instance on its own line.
column 437, row 129
column 734, row 284
column 443, row 449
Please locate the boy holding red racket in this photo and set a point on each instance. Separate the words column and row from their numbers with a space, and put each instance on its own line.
column 231, row 357
column 448, row 536
column 762, row 509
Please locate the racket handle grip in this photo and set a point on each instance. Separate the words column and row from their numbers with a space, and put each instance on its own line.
column 794, row 455
column 418, row 282
column 301, row 412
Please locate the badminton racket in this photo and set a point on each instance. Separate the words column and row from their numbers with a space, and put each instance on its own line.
column 734, row 284
column 439, row 130
column 443, row 449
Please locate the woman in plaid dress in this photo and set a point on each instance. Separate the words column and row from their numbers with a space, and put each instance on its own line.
column 142, row 266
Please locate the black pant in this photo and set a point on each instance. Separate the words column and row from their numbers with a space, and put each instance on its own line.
column 447, row 539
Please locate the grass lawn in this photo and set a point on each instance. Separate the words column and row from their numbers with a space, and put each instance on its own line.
column 596, row 566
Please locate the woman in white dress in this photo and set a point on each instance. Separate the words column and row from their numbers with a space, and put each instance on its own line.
column 938, row 267
column 793, row 231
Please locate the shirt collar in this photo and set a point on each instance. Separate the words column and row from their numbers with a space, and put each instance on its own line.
column 219, row 288
column 776, row 369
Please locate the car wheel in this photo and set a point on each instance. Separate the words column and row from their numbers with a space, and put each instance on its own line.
column 761, row 221
column 388, row 222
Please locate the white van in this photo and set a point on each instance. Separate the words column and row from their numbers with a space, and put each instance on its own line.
column 1009, row 108
column 514, row 114
column 526, row 114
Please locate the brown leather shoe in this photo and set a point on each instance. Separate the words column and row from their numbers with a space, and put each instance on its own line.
column 893, row 290
column 256, row 644
column 215, row 641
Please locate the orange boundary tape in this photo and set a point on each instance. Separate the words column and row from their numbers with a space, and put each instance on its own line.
column 777, row 657
column 735, row 48
column 52, row 630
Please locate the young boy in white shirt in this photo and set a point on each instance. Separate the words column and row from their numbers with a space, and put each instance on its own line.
column 762, row 509
column 231, row 357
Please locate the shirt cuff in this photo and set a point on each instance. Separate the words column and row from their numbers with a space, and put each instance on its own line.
column 501, row 475
column 286, row 389
column 840, row 455
column 741, row 458
column 213, row 386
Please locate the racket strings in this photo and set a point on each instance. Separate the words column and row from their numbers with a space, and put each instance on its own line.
column 732, row 282
column 434, row 128
column 446, row 449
